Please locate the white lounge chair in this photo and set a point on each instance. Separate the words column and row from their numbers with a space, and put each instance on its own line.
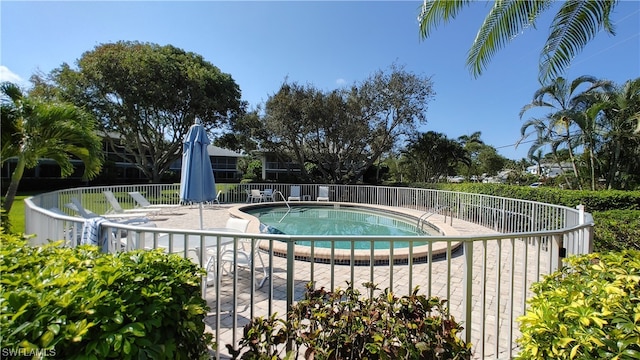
column 76, row 206
column 323, row 193
column 145, row 204
column 294, row 193
column 117, row 209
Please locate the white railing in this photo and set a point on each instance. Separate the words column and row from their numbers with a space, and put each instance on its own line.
column 484, row 276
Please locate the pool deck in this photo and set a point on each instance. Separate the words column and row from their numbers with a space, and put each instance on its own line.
column 443, row 276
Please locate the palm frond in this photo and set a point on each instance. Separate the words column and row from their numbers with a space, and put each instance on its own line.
column 505, row 21
column 436, row 11
column 575, row 24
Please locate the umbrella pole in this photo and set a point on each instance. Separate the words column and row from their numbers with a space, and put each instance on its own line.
column 201, row 222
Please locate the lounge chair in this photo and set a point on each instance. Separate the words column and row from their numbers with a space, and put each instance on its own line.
column 117, row 209
column 76, row 206
column 323, row 193
column 145, row 204
column 217, row 199
column 294, row 193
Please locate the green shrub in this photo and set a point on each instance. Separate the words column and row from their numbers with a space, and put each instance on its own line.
column 588, row 310
column 617, row 230
column 616, row 213
column 80, row 303
column 601, row 200
column 341, row 325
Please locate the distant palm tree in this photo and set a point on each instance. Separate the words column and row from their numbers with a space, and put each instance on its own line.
column 574, row 25
column 472, row 144
column 33, row 130
column 566, row 123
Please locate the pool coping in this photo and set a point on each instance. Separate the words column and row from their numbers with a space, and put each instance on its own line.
column 360, row 257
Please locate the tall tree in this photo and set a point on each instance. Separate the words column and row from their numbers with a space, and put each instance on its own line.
column 146, row 97
column 344, row 132
column 431, row 155
column 472, row 144
column 575, row 24
column 564, row 123
column 33, row 129
column 619, row 111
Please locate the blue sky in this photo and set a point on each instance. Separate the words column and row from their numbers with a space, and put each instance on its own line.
column 328, row 44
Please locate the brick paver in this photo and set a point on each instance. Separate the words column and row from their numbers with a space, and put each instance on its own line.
column 491, row 278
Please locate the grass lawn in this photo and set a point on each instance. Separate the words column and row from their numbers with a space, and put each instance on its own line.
column 16, row 215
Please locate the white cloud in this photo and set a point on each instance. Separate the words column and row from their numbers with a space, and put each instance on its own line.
column 8, row 75
column 341, row 82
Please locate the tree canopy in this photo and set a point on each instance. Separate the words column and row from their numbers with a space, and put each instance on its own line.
column 336, row 136
column 146, row 97
column 431, row 155
column 597, row 121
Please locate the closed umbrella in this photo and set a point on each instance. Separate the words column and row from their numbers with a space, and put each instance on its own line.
column 196, row 180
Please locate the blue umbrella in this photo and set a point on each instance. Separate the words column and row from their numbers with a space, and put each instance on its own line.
column 196, row 180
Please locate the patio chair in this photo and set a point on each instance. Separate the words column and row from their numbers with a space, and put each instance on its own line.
column 256, row 196
column 117, row 209
column 294, row 193
column 244, row 254
column 268, row 195
column 323, row 193
column 235, row 224
column 145, row 204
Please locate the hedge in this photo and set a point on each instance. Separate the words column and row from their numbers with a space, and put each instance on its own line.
column 80, row 303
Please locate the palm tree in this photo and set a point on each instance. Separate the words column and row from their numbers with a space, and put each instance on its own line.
column 564, row 123
column 33, row 130
column 619, row 112
column 574, row 25
column 472, row 144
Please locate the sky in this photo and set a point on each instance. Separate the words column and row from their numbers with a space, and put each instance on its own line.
column 326, row 44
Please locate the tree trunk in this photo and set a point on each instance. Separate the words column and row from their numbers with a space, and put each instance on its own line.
column 16, row 176
column 573, row 165
column 613, row 166
column 593, row 169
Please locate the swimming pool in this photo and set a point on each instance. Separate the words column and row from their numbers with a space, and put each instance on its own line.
column 338, row 220
column 401, row 219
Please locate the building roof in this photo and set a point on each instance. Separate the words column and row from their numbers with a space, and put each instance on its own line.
column 218, row 151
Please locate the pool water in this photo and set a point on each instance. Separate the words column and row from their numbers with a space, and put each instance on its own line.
column 325, row 220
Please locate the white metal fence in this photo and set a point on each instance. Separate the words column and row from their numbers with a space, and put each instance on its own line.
column 486, row 283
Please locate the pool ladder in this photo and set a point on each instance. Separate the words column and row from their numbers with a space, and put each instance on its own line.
column 285, row 202
column 423, row 218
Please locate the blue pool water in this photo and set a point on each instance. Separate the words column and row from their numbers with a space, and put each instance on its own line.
column 327, row 220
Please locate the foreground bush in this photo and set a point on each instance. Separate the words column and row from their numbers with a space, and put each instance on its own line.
column 588, row 310
column 341, row 325
column 80, row 303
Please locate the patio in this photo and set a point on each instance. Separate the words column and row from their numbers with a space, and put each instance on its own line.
column 506, row 245
column 231, row 324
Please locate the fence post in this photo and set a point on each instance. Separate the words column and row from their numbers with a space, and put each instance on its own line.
column 467, row 303
column 586, row 234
